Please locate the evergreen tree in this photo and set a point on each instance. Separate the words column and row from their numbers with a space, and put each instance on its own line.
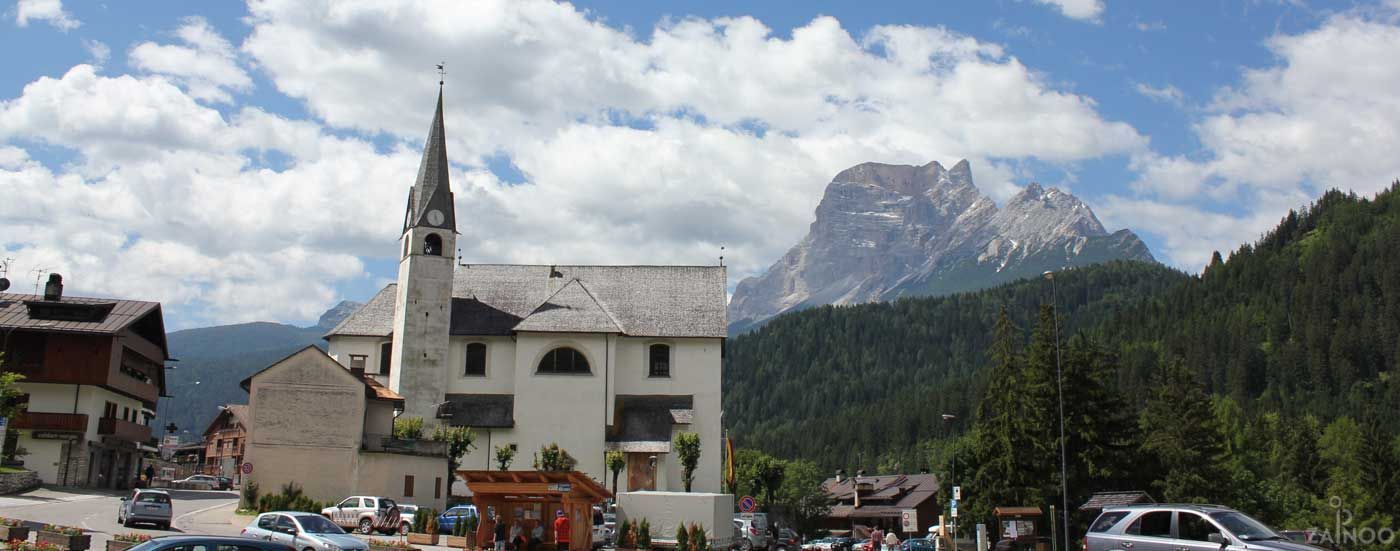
column 1182, row 438
column 1099, row 426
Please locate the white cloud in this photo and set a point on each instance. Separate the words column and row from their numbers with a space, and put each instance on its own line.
column 98, row 51
column 206, row 65
column 657, row 149
column 50, row 11
column 1150, row 26
column 1083, row 10
column 1165, row 94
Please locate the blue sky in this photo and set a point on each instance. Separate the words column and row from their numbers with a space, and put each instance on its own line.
column 248, row 161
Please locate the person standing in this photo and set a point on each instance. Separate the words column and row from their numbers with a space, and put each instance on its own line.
column 516, row 542
column 498, row 536
column 562, row 531
column 891, row 541
column 876, row 538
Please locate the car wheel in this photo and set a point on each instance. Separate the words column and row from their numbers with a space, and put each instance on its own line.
column 366, row 526
column 745, row 545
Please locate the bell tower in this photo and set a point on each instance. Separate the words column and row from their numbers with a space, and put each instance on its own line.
column 423, row 309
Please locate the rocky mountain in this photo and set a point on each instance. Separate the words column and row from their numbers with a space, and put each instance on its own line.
column 886, row 231
column 214, row 360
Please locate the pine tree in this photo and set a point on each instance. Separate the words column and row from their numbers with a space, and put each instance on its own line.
column 1182, row 437
column 1099, row 427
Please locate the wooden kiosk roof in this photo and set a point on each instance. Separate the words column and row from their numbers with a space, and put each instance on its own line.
column 526, row 484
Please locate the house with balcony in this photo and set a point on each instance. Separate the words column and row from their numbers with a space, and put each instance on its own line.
column 330, row 430
column 224, row 442
column 93, row 372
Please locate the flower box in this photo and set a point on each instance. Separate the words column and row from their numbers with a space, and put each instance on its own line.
column 422, row 539
column 79, row 542
column 114, row 545
column 378, row 547
column 14, row 533
column 459, row 542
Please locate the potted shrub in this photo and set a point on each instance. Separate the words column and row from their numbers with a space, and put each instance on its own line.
column 460, row 530
column 13, row 530
column 67, row 537
column 376, row 544
column 644, row 535
column 698, row 540
column 682, row 538
column 626, row 536
column 122, row 542
column 425, row 527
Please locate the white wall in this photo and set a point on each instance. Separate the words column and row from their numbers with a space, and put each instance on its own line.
column 567, row 409
column 500, row 367
column 45, row 455
column 342, row 347
column 695, row 370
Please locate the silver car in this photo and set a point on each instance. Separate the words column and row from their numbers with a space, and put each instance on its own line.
column 303, row 531
column 1183, row 528
column 145, row 506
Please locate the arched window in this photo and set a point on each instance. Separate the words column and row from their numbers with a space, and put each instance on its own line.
column 386, row 351
column 432, row 244
column 476, row 359
column 564, row 360
column 659, row 356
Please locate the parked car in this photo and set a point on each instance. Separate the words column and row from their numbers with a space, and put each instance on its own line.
column 602, row 536
column 917, row 544
column 145, row 506
column 366, row 514
column 199, row 482
column 303, row 532
column 751, row 531
column 186, row 543
column 408, row 513
column 225, row 483
column 787, row 540
column 1171, row 526
column 447, row 521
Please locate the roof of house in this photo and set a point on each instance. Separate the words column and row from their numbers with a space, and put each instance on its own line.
column 17, row 311
column 902, row 491
column 481, row 410
column 1104, row 500
column 373, row 389
column 239, row 412
column 500, row 299
column 643, row 423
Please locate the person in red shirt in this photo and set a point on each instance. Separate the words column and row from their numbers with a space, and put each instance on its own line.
column 561, row 530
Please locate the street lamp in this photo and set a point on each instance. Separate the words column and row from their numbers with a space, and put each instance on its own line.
column 948, row 419
column 1060, row 390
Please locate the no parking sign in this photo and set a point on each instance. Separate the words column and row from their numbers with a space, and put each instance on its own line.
column 747, row 504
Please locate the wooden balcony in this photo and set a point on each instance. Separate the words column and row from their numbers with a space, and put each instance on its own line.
column 57, row 422
column 123, row 430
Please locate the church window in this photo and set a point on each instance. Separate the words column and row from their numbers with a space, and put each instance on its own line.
column 386, row 350
column 659, row 356
column 564, row 360
column 432, row 245
column 476, row 359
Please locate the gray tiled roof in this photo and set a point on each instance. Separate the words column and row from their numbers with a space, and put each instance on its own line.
column 644, row 301
column 482, row 410
column 1103, row 500
column 647, row 418
column 374, row 319
column 15, row 314
column 571, row 310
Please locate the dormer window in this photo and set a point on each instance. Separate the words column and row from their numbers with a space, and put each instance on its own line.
column 432, row 245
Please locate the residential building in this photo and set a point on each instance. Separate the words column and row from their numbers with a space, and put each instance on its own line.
column 593, row 358
column 328, row 429
column 865, row 502
column 185, row 460
column 94, row 370
column 224, row 442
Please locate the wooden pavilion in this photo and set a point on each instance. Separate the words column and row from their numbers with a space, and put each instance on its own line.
column 533, row 498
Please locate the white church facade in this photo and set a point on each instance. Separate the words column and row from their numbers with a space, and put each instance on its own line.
column 594, row 358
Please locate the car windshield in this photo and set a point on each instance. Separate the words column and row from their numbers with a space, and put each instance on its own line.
column 152, row 497
column 313, row 524
column 1244, row 527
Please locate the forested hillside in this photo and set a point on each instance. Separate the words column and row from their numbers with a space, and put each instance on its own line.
column 1267, row 382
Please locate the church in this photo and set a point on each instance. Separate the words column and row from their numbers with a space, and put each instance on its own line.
column 593, row 358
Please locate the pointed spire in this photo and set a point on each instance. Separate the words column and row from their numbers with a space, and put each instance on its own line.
column 432, row 192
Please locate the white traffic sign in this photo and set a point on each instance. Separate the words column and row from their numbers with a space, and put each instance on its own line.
column 909, row 520
column 957, row 493
column 955, row 508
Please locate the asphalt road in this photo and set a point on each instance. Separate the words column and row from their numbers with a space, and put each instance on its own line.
column 195, row 512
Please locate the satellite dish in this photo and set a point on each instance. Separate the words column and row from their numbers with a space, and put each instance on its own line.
column 4, row 284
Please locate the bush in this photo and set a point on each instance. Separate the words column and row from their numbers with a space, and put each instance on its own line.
column 65, row 530
column 698, row 540
column 644, row 534
column 249, row 499
column 132, row 537
column 291, row 499
column 554, row 458
column 682, row 538
column 625, row 536
column 425, row 521
column 408, row 428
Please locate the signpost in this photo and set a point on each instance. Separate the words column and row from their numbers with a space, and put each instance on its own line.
column 247, row 468
column 747, row 504
column 957, row 493
column 909, row 521
column 954, row 506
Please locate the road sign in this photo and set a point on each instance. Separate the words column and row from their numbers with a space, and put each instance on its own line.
column 955, row 508
column 957, row 493
column 747, row 504
column 247, row 468
column 564, row 487
column 909, row 520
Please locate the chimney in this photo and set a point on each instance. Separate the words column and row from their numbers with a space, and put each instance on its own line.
column 53, row 290
column 840, row 475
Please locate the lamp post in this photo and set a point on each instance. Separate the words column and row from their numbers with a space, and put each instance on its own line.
column 948, row 419
column 1060, row 390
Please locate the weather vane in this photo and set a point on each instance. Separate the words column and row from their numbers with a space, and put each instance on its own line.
column 442, row 72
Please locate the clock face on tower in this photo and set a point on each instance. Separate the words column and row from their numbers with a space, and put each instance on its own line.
column 435, row 217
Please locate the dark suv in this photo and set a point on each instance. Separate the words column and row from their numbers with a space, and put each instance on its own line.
column 1183, row 528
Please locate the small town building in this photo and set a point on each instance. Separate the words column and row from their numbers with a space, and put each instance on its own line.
column 533, row 498
column 864, row 502
column 94, row 369
column 593, row 358
column 329, row 430
column 224, row 442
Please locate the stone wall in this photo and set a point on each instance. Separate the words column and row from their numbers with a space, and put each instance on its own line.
column 12, row 483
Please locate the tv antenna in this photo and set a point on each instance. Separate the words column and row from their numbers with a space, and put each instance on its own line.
column 38, row 274
column 5, row 271
column 721, row 255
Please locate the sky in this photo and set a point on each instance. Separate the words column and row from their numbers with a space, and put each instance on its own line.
column 250, row 161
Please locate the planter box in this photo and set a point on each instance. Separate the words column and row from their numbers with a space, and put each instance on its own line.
column 387, row 548
column 422, row 539
column 114, row 545
column 71, row 543
column 455, row 541
column 14, row 533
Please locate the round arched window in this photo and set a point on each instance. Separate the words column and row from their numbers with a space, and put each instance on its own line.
column 564, row 360
column 432, row 244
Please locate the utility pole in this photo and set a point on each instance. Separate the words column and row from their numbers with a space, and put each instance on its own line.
column 1060, row 389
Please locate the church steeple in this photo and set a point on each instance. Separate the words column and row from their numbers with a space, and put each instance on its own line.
column 430, row 200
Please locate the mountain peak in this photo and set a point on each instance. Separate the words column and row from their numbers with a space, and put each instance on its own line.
column 330, row 318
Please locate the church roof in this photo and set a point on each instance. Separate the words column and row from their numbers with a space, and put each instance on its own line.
column 432, row 190
column 570, row 310
column 500, row 299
